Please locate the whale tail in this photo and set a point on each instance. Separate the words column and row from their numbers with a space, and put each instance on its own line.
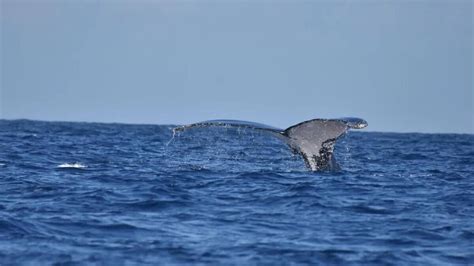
column 313, row 139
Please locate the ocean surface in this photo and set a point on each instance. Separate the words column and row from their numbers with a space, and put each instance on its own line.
column 114, row 194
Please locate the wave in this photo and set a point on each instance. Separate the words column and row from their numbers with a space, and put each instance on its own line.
column 72, row 166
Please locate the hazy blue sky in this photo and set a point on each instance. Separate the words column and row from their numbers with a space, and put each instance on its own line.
column 402, row 65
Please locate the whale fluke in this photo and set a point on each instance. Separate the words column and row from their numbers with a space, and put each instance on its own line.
column 313, row 139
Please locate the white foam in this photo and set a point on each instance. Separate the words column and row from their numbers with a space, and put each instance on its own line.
column 72, row 165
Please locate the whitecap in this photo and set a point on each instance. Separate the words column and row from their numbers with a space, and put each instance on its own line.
column 72, row 165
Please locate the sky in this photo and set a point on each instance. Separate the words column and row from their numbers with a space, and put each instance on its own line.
column 404, row 66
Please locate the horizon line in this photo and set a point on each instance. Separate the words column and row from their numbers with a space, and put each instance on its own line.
column 157, row 124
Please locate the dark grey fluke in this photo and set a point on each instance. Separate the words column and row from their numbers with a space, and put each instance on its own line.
column 313, row 139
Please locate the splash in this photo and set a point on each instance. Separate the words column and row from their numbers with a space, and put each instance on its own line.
column 172, row 137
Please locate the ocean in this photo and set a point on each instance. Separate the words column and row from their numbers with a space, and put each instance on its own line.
column 117, row 194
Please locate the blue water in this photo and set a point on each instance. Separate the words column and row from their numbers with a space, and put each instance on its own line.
column 133, row 194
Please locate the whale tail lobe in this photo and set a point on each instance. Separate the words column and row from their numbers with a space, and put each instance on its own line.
column 315, row 140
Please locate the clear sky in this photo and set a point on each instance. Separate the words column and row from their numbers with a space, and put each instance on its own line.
column 404, row 66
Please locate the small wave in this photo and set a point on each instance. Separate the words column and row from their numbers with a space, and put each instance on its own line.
column 72, row 166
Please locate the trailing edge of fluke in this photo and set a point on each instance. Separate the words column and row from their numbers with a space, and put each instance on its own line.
column 313, row 139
